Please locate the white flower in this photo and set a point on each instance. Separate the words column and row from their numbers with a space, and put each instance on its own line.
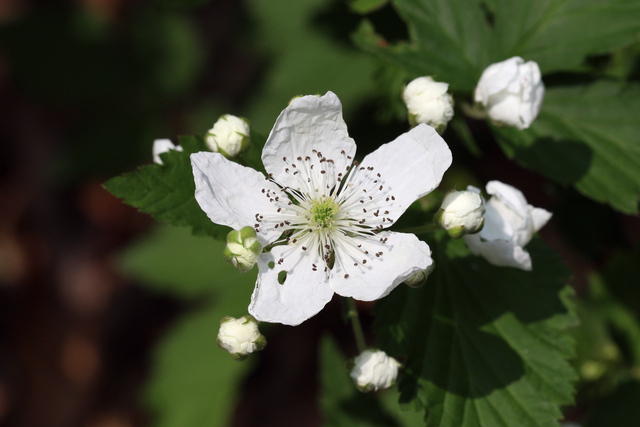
column 461, row 212
column 243, row 248
column 162, row 146
column 374, row 370
column 323, row 213
column 511, row 92
column 428, row 102
column 509, row 225
column 240, row 336
column 229, row 136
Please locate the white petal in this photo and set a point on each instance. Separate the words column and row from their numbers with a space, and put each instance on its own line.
column 510, row 196
column 499, row 252
column 402, row 256
column 539, row 217
column 162, row 146
column 302, row 295
column 231, row 194
column 496, row 78
column 410, row 167
column 308, row 123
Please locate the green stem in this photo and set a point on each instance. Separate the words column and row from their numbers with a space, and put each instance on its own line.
column 352, row 314
column 421, row 230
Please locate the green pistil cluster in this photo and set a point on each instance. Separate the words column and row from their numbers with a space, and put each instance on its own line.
column 323, row 212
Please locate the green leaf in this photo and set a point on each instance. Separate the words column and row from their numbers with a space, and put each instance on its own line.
column 342, row 404
column 586, row 135
column 484, row 345
column 366, row 6
column 455, row 40
column 171, row 260
column 193, row 382
column 620, row 409
column 450, row 41
column 559, row 34
column 167, row 191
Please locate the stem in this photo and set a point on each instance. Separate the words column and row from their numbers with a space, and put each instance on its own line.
column 352, row 314
column 421, row 230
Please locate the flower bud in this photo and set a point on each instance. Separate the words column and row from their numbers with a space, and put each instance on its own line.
column 428, row 102
column 374, row 370
column 420, row 278
column 228, row 136
column 162, row 146
column 510, row 224
column 461, row 212
column 511, row 91
column 240, row 336
column 243, row 248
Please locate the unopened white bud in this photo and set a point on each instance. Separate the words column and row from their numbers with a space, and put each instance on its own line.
column 428, row 102
column 243, row 248
column 374, row 370
column 162, row 146
column 240, row 336
column 461, row 212
column 229, row 136
column 420, row 278
column 511, row 91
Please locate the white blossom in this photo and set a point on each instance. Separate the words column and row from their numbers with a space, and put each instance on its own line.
column 240, row 336
column 243, row 248
column 229, row 136
column 162, row 146
column 510, row 223
column 511, row 91
column 323, row 214
column 428, row 102
column 461, row 212
column 374, row 370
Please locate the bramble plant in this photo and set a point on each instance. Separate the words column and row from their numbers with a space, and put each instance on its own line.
column 482, row 339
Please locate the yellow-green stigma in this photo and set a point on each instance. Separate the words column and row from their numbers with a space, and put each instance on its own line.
column 323, row 211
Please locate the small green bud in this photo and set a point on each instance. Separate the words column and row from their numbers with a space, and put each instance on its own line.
column 243, row 248
column 420, row 278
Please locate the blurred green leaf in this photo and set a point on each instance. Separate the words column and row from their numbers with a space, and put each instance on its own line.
column 586, row 135
column 342, row 404
column 484, row 345
column 167, row 191
column 171, row 260
column 193, row 382
column 620, row 409
column 366, row 6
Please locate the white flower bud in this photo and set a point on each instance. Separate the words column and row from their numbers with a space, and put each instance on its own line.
column 511, row 92
column 419, row 278
column 228, row 136
column 509, row 225
column 374, row 370
column 162, row 146
column 461, row 212
column 428, row 102
column 240, row 336
column 243, row 248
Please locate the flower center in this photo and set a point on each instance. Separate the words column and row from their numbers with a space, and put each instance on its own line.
column 323, row 211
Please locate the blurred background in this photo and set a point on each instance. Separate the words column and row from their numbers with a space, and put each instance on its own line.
column 108, row 319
